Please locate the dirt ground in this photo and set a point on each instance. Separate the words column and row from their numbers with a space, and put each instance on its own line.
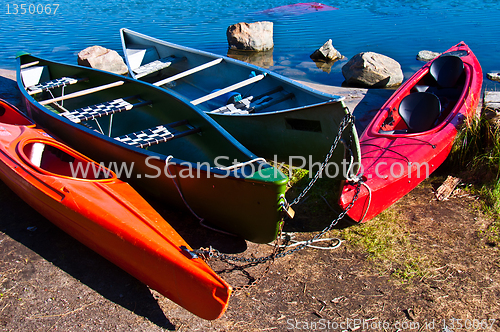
column 50, row 282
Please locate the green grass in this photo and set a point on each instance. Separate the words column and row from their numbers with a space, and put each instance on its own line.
column 475, row 157
column 386, row 240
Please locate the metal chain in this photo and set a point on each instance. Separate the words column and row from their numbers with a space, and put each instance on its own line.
column 211, row 252
column 346, row 121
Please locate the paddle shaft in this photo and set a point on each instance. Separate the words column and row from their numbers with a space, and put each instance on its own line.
column 82, row 92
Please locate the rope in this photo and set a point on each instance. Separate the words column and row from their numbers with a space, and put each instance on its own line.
column 242, row 164
column 167, row 162
column 359, row 179
column 289, row 238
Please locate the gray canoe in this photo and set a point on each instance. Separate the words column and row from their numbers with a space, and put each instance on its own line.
column 271, row 115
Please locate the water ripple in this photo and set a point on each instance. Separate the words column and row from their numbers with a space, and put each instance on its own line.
column 396, row 28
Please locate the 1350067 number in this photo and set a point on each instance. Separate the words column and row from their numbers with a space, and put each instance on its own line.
column 24, row 8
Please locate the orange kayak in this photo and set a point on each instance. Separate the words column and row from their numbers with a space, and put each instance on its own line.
column 92, row 205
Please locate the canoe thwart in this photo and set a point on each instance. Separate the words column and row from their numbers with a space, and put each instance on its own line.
column 102, row 109
column 156, row 66
column 228, row 89
column 30, row 64
column 52, row 84
column 189, row 72
column 82, row 92
column 157, row 135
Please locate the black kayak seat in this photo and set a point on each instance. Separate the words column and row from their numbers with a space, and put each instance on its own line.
column 446, row 70
column 419, row 111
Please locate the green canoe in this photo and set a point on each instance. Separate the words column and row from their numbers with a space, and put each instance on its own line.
column 273, row 116
column 158, row 142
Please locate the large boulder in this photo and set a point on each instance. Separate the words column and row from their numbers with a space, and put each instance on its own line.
column 373, row 70
column 256, row 36
column 102, row 58
column 326, row 53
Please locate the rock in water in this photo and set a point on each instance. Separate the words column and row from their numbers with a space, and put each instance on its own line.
column 369, row 69
column 256, row 36
column 102, row 58
column 326, row 53
column 427, row 56
column 493, row 76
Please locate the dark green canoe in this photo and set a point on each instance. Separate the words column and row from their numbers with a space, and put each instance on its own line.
column 158, row 142
column 275, row 117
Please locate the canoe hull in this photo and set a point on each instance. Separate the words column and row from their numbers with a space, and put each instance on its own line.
column 298, row 136
column 111, row 218
column 254, row 213
column 394, row 164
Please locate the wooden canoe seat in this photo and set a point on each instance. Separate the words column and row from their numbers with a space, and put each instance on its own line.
column 156, row 135
column 102, row 109
column 146, row 60
column 240, row 107
column 155, row 66
column 254, row 103
column 52, row 84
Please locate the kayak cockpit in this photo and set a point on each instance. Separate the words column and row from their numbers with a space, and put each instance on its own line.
column 429, row 102
column 50, row 158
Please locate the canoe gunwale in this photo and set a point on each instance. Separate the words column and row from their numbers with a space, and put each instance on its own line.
column 124, row 31
column 172, row 159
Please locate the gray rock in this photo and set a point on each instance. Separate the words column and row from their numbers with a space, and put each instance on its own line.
column 326, row 53
column 427, row 56
column 256, row 36
column 102, row 58
column 493, row 76
column 369, row 69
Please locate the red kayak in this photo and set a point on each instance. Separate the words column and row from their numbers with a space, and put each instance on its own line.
column 413, row 132
column 91, row 204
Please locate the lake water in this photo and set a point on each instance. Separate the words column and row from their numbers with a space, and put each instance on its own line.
column 396, row 28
